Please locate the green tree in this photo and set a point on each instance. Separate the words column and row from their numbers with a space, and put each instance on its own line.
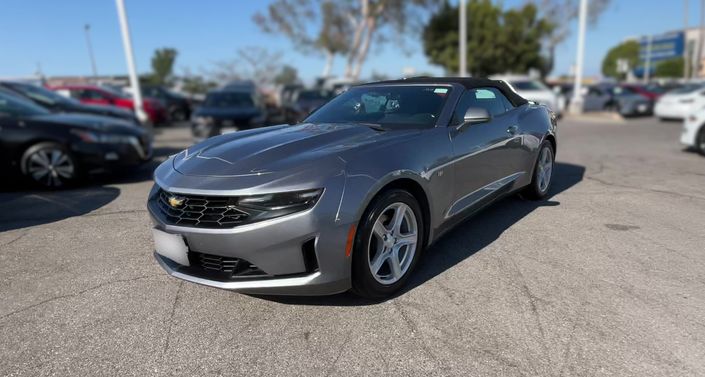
column 628, row 50
column 498, row 41
column 669, row 68
column 163, row 65
column 287, row 76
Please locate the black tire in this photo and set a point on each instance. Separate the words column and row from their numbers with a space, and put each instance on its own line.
column 536, row 190
column 700, row 141
column 364, row 281
column 58, row 162
column 179, row 114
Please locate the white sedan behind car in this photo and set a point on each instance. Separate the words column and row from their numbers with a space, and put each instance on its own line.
column 535, row 91
column 679, row 103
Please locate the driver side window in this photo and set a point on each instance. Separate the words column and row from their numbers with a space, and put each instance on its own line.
column 490, row 99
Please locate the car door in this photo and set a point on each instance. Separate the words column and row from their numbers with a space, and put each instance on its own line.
column 595, row 99
column 484, row 154
column 13, row 134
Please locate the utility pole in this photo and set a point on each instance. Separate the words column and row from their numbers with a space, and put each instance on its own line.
column 463, row 40
column 576, row 103
column 127, row 45
column 647, row 65
column 87, row 28
column 699, row 54
column 686, row 53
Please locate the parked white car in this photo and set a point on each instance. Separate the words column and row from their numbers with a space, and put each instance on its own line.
column 534, row 90
column 693, row 134
column 681, row 102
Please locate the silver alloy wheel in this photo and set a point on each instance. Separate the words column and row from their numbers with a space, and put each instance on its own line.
column 51, row 167
column 393, row 243
column 545, row 169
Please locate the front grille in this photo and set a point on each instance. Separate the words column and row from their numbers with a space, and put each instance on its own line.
column 216, row 212
column 222, row 268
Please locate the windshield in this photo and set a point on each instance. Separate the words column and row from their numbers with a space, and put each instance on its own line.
column 528, row 85
column 622, row 91
column 687, row 88
column 229, row 99
column 11, row 105
column 41, row 95
column 388, row 106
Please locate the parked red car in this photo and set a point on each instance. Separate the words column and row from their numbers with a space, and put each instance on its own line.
column 101, row 95
column 645, row 91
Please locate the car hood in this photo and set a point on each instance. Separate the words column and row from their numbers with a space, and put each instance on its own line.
column 91, row 122
column 279, row 149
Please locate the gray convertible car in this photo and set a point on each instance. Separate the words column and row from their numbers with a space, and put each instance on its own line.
column 348, row 199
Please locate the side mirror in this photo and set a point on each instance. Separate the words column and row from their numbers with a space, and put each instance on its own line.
column 475, row 115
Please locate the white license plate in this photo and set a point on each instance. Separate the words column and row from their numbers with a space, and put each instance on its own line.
column 171, row 246
column 641, row 108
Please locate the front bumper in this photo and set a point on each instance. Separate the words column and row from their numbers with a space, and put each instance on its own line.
column 689, row 133
column 275, row 246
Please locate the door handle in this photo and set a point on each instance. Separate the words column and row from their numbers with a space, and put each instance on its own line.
column 512, row 130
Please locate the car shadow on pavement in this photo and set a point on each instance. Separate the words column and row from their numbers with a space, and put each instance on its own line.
column 29, row 208
column 462, row 242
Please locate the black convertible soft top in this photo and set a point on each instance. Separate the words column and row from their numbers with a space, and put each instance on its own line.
column 467, row 82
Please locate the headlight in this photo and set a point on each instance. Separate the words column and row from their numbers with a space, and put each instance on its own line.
column 95, row 137
column 279, row 204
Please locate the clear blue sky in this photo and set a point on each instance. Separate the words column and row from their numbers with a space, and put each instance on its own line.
column 51, row 32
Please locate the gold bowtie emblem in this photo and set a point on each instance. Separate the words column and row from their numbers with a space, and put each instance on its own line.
column 176, row 201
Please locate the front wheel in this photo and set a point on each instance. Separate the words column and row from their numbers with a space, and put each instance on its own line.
column 388, row 243
column 700, row 142
column 49, row 165
column 543, row 173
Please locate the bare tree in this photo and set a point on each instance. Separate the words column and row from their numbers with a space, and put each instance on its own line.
column 251, row 63
column 560, row 13
column 367, row 17
column 337, row 21
column 294, row 19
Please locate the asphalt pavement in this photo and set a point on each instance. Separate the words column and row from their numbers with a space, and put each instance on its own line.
column 607, row 277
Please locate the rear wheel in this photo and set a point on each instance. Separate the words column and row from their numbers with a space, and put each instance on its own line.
column 388, row 244
column 49, row 164
column 543, row 173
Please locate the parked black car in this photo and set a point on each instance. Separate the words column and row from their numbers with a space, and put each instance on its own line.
column 306, row 101
column 237, row 109
column 54, row 150
column 178, row 107
column 57, row 103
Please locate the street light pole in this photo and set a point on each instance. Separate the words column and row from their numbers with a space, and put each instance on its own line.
column 647, row 65
column 463, row 40
column 87, row 28
column 127, row 45
column 576, row 103
column 686, row 54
